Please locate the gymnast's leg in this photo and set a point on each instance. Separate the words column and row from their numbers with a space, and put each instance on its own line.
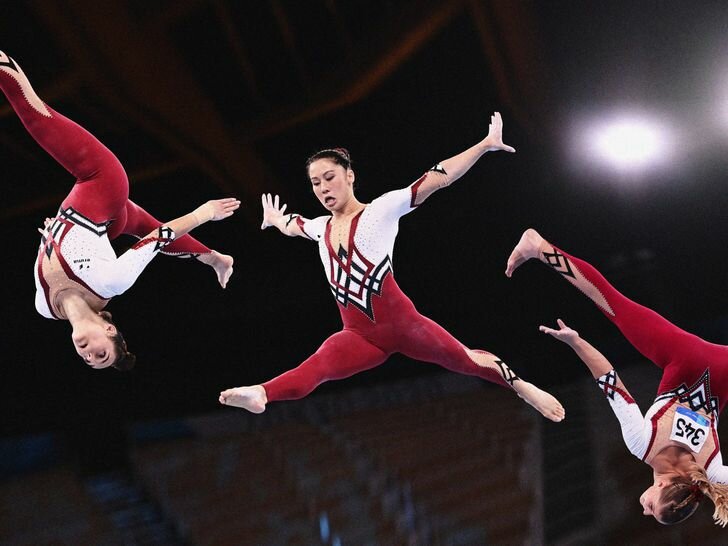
column 101, row 187
column 428, row 341
column 139, row 223
column 342, row 355
column 651, row 334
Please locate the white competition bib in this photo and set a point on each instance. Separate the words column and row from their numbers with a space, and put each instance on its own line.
column 690, row 428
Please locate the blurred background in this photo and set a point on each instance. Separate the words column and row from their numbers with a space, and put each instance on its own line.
column 619, row 113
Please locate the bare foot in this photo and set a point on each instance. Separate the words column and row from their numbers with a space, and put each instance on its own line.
column 528, row 247
column 252, row 398
column 544, row 403
column 221, row 263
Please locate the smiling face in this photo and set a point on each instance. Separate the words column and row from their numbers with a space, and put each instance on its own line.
column 332, row 184
column 93, row 343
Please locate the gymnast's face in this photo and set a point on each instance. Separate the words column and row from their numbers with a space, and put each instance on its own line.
column 650, row 499
column 94, row 344
column 332, row 184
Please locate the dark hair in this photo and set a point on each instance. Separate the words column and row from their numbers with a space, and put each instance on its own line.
column 125, row 360
column 679, row 501
column 340, row 156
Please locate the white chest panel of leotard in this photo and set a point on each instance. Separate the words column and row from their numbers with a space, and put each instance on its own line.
column 84, row 246
column 86, row 251
column 357, row 273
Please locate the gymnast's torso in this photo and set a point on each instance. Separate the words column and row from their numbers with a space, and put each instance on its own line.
column 686, row 416
column 361, row 276
column 75, row 254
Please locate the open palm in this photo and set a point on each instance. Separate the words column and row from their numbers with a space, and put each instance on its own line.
column 564, row 333
column 494, row 140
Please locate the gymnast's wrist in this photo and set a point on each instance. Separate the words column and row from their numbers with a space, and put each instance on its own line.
column 202, row 214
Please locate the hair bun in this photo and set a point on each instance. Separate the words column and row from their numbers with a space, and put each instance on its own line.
column 344, row 152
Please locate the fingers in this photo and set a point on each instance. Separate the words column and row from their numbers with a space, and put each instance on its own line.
column 561, row 323
column 271, row 202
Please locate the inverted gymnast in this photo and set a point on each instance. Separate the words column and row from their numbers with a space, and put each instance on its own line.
column 76, row 270
column 677, row 437
column 355, row 244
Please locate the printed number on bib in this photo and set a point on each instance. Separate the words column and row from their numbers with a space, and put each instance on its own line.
column 690, row 428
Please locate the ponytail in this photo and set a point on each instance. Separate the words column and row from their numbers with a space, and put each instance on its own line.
column 716, row 492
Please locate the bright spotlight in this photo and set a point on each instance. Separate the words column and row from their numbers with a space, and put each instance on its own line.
column 629, row 143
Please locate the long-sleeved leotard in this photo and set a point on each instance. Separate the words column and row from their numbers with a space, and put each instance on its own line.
column 379, row 319
column 675, row 418
column 76, row 252
column 694, row 385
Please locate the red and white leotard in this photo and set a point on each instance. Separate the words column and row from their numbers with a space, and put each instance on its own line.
column 694, row 385
column 76, row 252
column 356, row 275
column 686, row 417
column 378, row 318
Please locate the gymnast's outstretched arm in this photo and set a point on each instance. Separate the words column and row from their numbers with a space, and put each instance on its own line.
column 448, row 171
column 291, row 225
column 120, row 274
column 631, row 421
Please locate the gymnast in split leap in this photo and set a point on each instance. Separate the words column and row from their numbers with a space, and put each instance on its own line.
column 355, row 243
column 77, row 271
column 677, row 437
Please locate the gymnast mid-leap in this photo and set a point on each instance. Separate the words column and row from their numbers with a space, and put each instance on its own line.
column 76, row 270
column 355, row 244
column 678, row 436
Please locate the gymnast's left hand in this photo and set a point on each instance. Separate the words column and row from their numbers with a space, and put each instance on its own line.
column 564, row 333
column 219, row 209
column 494, row 141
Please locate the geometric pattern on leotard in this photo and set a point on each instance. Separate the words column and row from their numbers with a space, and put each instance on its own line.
column 8, row 65
column 164, row 235
column 444, row 182
column 64, row 220
column 559, row 262
column 507, row 373
column 176, row 254
column 357, row 280
column 79, row 219
column 698, row 395
column 608, row 384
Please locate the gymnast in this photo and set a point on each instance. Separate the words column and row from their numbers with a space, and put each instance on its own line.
column 678, row 436
column 76, row 270
column 355, row 243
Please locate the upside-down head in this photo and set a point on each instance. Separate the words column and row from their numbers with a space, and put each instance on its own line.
column 100, row 344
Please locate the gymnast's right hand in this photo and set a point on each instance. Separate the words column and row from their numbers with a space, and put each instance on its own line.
column 564, row 333
column 272, row 211
column 46, row 226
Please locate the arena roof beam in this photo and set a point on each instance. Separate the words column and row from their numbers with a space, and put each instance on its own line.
column 408, row 43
